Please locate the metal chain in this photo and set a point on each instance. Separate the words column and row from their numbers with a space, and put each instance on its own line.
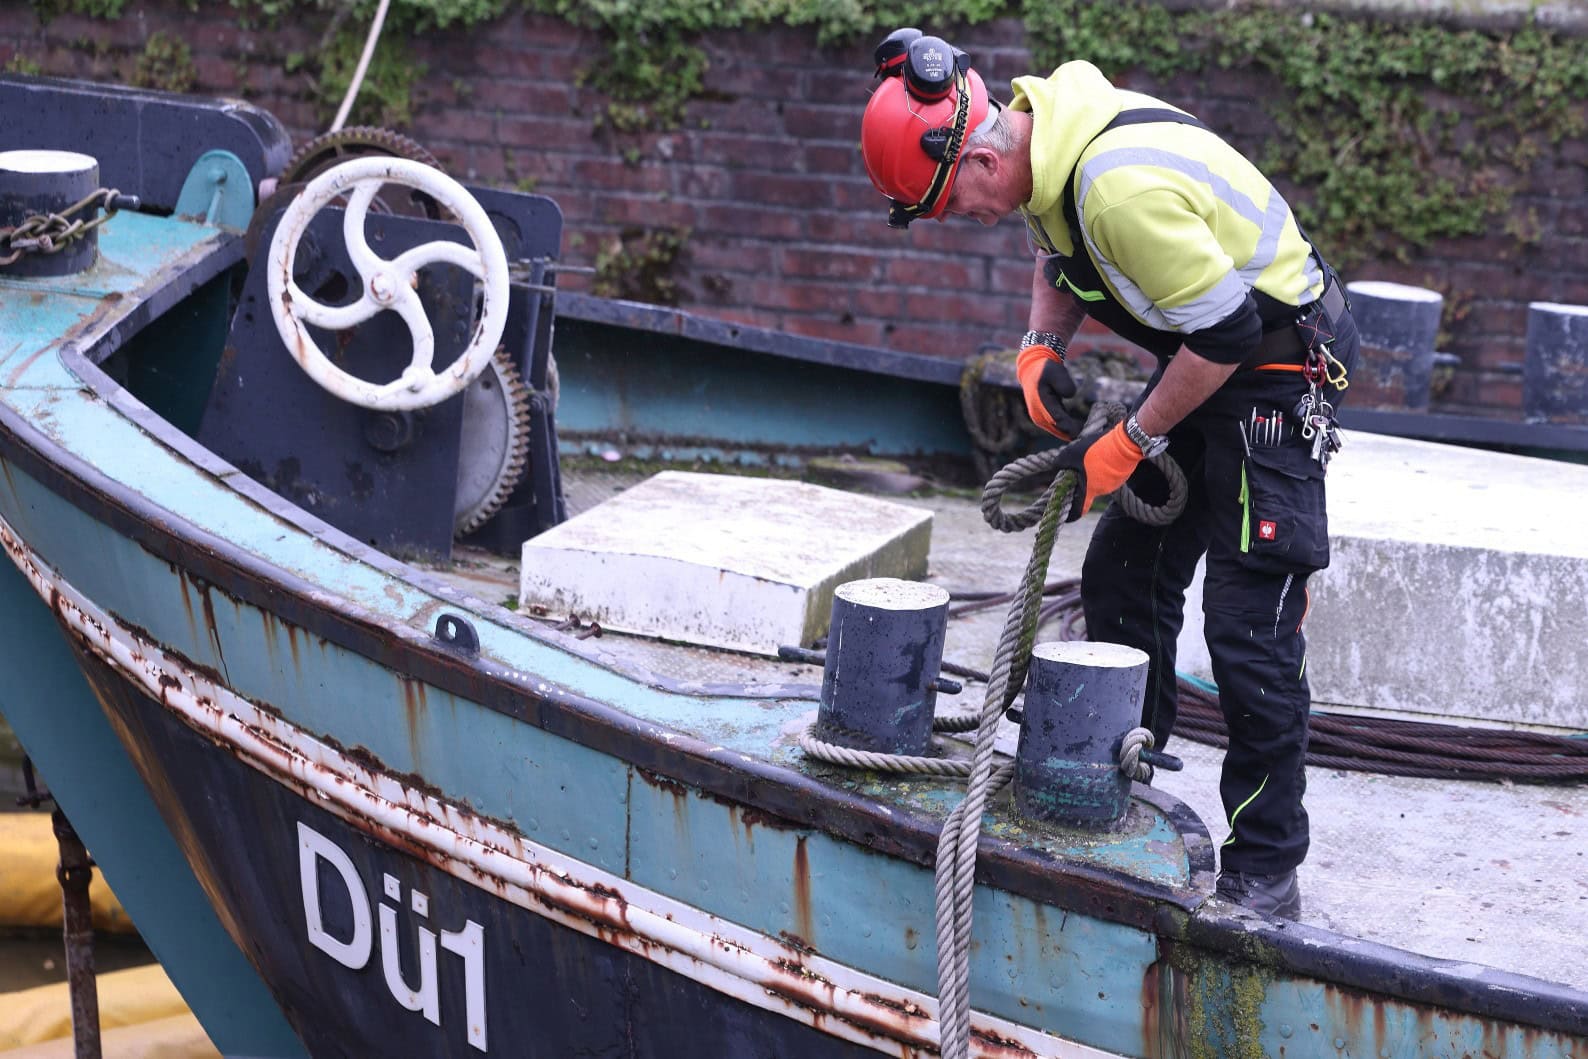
column 50, row 233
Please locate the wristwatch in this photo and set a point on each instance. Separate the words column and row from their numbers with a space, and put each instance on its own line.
column 1149, row 444
column 1043, row 338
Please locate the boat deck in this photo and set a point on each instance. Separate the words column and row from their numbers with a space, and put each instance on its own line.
column 1492, row 874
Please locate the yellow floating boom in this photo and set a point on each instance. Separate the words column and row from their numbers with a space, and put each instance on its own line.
column 30, row 896
column 137, row 998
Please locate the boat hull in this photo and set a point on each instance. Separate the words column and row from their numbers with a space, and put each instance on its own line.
column 319, row 904
column 292, row 834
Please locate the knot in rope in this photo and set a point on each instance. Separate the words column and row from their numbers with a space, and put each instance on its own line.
column 1130, row 762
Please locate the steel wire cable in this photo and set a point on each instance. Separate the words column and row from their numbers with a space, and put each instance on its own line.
column 1348, row 742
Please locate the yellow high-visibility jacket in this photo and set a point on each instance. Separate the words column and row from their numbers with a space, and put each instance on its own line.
column 1181, row 228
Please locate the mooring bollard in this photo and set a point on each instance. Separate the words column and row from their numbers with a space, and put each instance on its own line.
column 1555, row 369
column 41, row 183
column 1081, row 699
column 883, row 653
column 1399, row 326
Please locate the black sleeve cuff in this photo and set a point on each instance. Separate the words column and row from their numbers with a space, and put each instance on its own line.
column 1232, row 339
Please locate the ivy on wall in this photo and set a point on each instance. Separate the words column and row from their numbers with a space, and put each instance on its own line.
column 1397, row 133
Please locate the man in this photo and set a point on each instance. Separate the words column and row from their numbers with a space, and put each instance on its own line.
column 1142, row 218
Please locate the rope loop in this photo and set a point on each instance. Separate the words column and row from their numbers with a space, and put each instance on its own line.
column 1130, row 762
column 957, row 843
column 849, row 757
column 1104, row 414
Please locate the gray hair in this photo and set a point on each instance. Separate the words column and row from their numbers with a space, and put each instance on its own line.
column 995, row 133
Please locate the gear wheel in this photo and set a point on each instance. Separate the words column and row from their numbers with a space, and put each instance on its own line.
column 360, row 141
column 332, row 148
column 357, row 141
column 495, row 446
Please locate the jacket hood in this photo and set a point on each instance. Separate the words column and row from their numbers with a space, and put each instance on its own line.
column 1068, row 108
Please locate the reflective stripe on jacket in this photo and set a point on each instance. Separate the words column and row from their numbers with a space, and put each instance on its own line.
column 1178, row 223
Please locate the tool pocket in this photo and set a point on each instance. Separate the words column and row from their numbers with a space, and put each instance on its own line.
column 1284, row 523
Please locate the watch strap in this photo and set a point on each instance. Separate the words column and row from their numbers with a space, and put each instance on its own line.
column 1149, row 444
column 1043, row 338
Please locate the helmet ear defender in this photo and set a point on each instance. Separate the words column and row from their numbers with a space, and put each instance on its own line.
column 889, row 55
column 929, row 67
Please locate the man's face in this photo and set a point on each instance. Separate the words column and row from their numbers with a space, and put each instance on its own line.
column 981, row 189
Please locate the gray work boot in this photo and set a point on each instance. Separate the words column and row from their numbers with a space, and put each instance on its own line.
column 1273, row 895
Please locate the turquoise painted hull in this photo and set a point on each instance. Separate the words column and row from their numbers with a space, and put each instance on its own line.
column 522, row 850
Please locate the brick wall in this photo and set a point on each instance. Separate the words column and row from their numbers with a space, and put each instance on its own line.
column 785, row 230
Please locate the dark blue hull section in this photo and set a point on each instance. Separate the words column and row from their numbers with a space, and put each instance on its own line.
column 548, row 991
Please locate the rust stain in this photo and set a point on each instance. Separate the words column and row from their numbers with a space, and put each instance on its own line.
column 901, row 1024
column 187, row 601
column 664, row 783
column 105, row 312
column 415, row 706
column 992, row 1046
column 803, row 920
column 1363, row 1015
column 292, row 644
column 1151, row 1006
column 737, row 822
column 602, row 906
column 209, row 620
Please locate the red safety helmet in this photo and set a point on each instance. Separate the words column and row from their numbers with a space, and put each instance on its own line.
column 916, row 123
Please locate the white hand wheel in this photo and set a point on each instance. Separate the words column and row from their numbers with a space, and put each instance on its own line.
column 388, row 284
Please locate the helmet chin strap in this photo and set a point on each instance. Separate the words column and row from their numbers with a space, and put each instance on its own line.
column 900, row 214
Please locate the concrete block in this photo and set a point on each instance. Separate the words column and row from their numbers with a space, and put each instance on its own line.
column 1555, row 369
column 1399, row 327
column 1457, row 588
column 742, row 563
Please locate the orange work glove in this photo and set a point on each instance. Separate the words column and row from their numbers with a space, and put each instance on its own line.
column 1101, row 463
column 1045, row 381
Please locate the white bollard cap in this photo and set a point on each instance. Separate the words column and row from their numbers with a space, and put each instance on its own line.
column 892, row 593
column 1086, row 653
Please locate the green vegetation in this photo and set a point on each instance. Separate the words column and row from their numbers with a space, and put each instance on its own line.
column 638, row 265
column 166, row 63
column 386, row 95
column 1397, row 132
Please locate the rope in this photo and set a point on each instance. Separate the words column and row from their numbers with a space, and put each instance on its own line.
column 357, row 81
column 850, row 757
column 958, row 841
column 1391, row 747
column 1103, row 414
column 957, row 844
column 1380, row 745
column 1130, row 762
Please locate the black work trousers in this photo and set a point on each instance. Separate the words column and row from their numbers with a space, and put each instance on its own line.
column 1256, row 510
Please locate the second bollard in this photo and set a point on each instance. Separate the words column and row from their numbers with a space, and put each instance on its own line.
column 883, row 653
column 1081, row 699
